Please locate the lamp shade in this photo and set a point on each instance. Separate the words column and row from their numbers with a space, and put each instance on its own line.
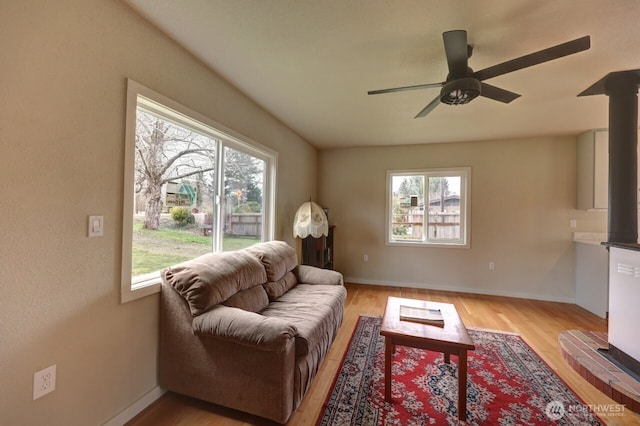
column 310, row 220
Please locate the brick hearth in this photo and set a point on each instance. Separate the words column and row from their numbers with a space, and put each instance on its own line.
column 580, row 350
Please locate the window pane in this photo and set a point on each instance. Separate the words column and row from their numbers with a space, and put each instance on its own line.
column 243, row 204
column 407, row 208
column 444, row 208
column 176, row 192
column 429, row 207
column 173, row 194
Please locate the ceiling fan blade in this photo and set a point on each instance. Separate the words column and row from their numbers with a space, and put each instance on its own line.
column 497, row 94
column 555, row 52
column 434, row 103
column 404, row 88
column 457, row 51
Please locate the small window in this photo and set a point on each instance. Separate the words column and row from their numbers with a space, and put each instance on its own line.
column 190, row 188
column 429, row 207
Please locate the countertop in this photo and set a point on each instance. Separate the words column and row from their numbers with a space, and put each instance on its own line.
column 600, row 239
column 593, row 238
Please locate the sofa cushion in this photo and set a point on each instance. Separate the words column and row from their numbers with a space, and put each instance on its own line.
column 253, row 299
column 246, row 328
column 277, row 257
column 306, row 274
column 314, row 310
column 275, row 289
column 214, row 277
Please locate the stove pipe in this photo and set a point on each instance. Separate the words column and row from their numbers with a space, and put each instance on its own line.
column 623, row 159
column 622, row 89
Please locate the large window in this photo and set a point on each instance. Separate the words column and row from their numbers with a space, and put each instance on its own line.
column 191, row 187
column 429, row 207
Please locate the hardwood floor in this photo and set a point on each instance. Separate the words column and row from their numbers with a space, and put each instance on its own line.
column 539, row 323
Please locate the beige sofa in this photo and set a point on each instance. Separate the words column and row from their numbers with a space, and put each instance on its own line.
column 247, row 329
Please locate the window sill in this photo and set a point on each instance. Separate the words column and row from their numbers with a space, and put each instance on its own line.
column 143, row 287
column 429, row 245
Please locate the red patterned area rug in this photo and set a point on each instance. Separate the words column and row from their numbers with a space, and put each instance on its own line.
column 508, row 384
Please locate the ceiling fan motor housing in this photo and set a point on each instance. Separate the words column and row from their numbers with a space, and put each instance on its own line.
column 460, row 91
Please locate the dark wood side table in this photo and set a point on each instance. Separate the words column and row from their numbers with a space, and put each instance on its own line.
column 452, row 339
column 319, row 251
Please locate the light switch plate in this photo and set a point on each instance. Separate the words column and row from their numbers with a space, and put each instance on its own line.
column 96, row 226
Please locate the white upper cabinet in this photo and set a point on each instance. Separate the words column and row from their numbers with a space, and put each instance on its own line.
column 593, row 170
column 592, row 163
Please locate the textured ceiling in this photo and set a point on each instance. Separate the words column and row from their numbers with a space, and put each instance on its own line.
column 311, row 63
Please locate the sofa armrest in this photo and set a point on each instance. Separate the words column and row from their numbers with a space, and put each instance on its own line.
column 244, row 327
column 307, row 274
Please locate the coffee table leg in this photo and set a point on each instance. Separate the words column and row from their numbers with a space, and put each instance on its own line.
column 462, row 385
column 389, row 347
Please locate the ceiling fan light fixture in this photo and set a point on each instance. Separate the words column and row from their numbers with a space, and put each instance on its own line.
column 460, row 91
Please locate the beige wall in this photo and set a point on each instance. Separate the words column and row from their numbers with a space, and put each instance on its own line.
column 522, row 199
column 62, row 98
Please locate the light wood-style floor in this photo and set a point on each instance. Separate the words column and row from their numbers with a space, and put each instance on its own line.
column 538, row 322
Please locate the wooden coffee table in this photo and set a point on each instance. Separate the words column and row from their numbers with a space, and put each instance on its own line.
column 452, row 339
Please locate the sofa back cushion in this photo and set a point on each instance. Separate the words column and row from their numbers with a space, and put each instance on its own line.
column 275, row 289
column 253, row 299
column 212, row 278
column 277, row 257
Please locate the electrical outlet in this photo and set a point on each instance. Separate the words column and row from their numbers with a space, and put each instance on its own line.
column 44, row 382
column 572, row 223
column 365, row 258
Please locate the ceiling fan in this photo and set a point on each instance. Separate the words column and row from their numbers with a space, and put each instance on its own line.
column 463, row 84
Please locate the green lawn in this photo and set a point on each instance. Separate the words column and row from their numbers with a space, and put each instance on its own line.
column 156, row 250
column 145, row 261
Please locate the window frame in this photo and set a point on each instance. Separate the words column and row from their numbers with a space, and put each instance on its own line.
column 465, row 207
column 151, row 101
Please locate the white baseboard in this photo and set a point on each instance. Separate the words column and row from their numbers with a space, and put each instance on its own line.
column 473, row 290
column 136, row 408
